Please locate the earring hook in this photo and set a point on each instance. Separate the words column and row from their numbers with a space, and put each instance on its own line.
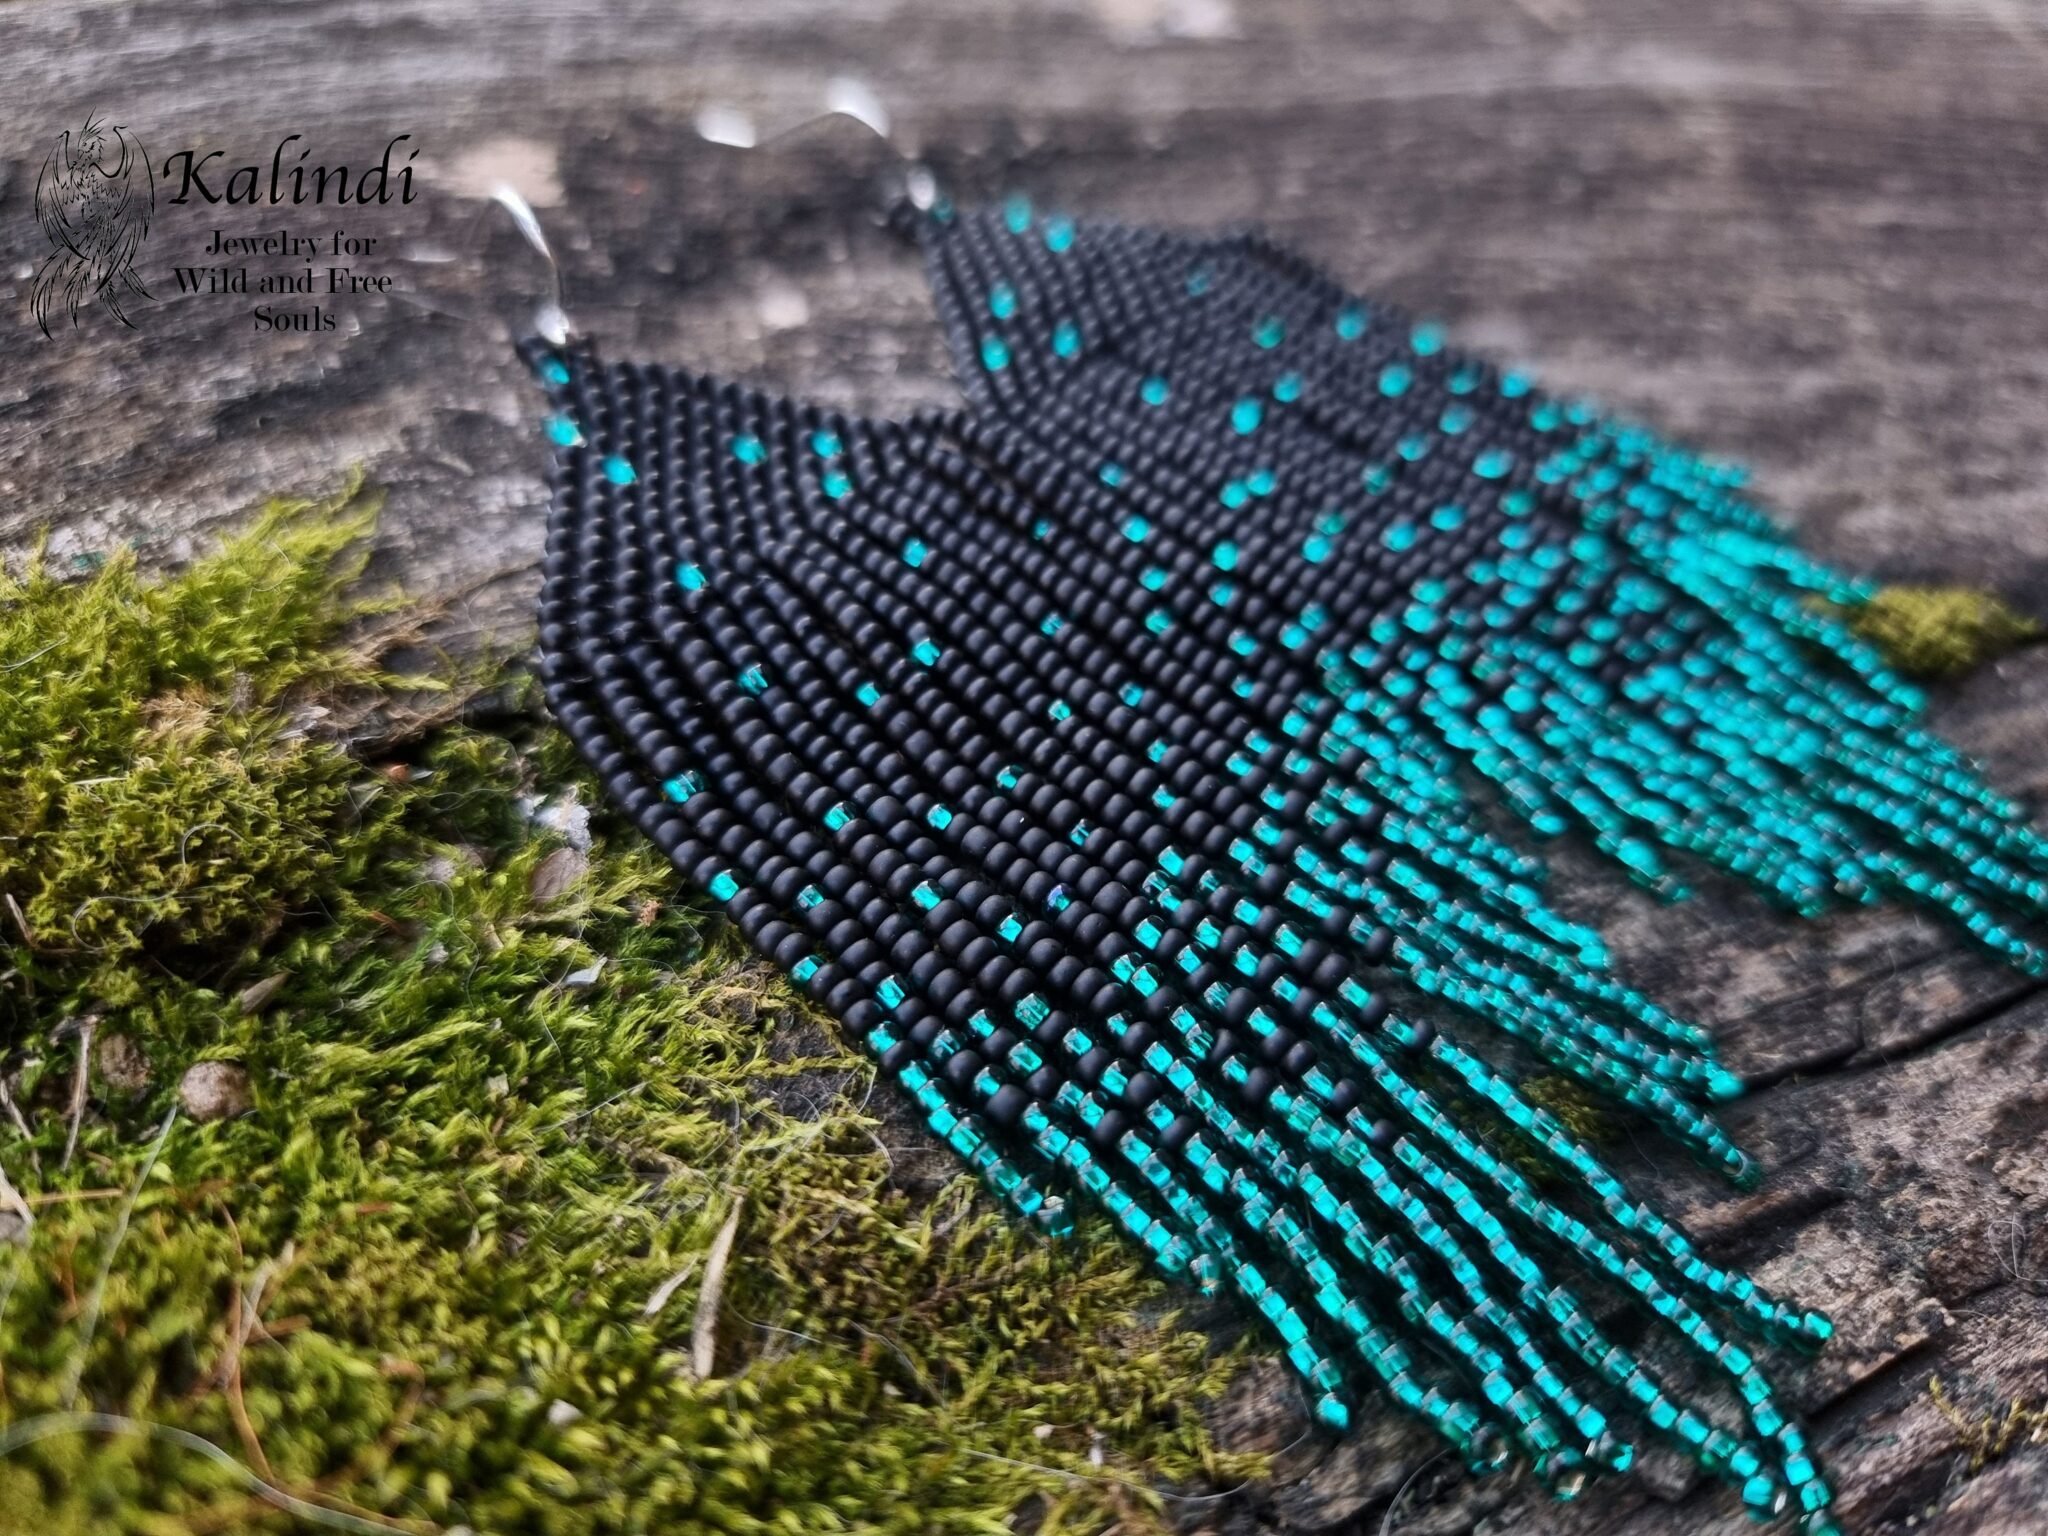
column 845, row 97
column 550, row 319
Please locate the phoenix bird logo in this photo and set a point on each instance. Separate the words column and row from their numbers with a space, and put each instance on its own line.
column 94, row 200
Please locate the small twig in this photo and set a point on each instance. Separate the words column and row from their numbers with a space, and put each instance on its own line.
column 14, row 1114
column 28, row 934
column 247, row 1306
column 73, row 1196
column 668, row 1288
column 10, row 1199
column 79, row 1083
column 47, row 1426
column 99, row 1285
column 704, row 1331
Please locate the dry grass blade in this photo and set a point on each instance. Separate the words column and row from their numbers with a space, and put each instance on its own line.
column 704, row 1331
column 99, row 1285
column 10, row 1200
column 668, row 1288
column 79, row 1081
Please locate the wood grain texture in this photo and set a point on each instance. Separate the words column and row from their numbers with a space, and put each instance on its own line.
column 1807, row 233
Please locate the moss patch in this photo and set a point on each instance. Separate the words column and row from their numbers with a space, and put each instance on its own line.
column 1991, row 1436
column 1938, row 632
column 456, row 1261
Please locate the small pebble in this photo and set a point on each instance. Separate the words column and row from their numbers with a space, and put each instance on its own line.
column 555, row 874
column 122, row 1065
column 215, row 1090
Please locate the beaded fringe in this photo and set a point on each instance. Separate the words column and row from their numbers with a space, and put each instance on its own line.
column 1099, row 758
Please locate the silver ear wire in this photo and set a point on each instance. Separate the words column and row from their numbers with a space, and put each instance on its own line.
column 550, row 320
column 845, row 97
column 849, row 97
column 920, row 186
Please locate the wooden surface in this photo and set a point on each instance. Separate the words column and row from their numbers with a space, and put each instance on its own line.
column 1808, row 234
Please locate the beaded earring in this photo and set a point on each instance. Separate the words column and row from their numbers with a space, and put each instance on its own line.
column 1122, row 907
column 1095, row 758
column 1453, row 571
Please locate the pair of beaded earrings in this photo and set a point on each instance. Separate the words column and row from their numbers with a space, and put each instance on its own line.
column 1101, row 756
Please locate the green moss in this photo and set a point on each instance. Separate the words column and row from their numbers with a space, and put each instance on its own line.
column 1577, row 1109
column 1991, row 1436
column 151, row 792
column 1938, row 632
column 448, row 1269
column 1580, row 1111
